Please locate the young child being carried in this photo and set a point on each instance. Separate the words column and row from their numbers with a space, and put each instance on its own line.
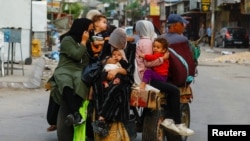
column 98, row 35
column 160, row 47
column 117, row 60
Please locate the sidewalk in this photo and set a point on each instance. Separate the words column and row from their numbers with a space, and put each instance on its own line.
column 31, row 78
column 33, row 74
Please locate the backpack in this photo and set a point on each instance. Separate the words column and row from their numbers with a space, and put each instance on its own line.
column 182, row 68
column 196, row 51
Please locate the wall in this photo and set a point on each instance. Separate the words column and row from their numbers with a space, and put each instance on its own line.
column 17, row 13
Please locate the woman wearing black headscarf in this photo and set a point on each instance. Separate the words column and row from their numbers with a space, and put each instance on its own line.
column 67, row 85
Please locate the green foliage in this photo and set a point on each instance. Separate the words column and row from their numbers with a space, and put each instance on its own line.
column 73, row 8
column 135, row 10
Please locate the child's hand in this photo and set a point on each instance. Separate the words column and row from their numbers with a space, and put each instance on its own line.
column 111, row 61
column 141, row 55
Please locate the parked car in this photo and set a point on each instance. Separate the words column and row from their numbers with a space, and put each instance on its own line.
column 232, row 37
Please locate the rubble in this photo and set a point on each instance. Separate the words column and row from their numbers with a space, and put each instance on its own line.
column 239, row 58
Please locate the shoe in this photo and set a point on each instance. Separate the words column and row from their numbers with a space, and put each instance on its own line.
column 100, row 128
column 69, row 121
column 51, row 128
column 184, row 131
column 75, row 119
column 78, row 119
column 169, row 125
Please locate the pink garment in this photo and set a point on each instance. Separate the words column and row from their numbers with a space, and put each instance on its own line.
column 144, row 46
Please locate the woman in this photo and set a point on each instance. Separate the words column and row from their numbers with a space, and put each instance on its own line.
column 112, row 104
column 67, row 88
column 144, row 29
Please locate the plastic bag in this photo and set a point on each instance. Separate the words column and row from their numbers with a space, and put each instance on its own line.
column 80, row 130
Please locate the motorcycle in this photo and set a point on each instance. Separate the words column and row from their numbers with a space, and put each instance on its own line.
column 147, row 107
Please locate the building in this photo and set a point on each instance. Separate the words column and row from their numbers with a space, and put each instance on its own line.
column 227, row 13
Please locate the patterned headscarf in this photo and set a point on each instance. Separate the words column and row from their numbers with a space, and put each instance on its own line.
column 77, row 29
column 145, row 29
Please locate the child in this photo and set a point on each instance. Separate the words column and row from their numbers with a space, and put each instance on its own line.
column 117, row 60
column 98, row 35
column 160, row 72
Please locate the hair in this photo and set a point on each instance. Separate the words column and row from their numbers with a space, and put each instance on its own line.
column 77, row 28
column 97, row 18
column 163, row 41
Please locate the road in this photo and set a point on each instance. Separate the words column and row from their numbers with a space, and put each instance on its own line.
column 221, row 96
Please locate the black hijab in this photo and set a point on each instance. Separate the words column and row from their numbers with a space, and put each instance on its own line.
column 77, row 29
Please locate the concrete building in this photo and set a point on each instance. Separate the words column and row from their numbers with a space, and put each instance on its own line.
column 227, row 13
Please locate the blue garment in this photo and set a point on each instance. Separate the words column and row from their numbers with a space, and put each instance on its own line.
column 209, row 31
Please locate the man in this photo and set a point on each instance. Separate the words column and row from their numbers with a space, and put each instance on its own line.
column 179, row 44
column 208, row 31
column 179, row 72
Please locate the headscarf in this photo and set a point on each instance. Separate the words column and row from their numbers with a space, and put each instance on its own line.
column 145, row 29
column 92, row 13
column 77, row 29
column 123, row 54
column 118, row 40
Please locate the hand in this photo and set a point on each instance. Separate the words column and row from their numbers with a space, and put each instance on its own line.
column 141, row 55
column 85, row 37
column 111, row 74
column 166, row 55
column 111, row 61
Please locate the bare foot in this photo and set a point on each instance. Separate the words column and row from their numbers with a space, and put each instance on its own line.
column 101, row 118
column 106, row 84
column 116, row 81
column 142, row 85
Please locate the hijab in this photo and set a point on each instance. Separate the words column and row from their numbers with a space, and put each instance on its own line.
column 77, row 29
column 145, row 29
column 118, row 40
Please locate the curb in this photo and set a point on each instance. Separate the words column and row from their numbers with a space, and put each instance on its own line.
column 34, row 80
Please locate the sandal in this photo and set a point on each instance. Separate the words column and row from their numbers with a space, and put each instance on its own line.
column 101, row 128
column 51, row 128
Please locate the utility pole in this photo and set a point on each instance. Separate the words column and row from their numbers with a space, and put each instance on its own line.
column 212, row 24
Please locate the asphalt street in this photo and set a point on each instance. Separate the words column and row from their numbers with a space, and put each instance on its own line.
column 23, row 111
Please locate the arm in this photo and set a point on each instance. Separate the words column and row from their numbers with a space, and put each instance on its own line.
column 156, row 62
column 71, row 49
column 152, row 57
column 112, row 73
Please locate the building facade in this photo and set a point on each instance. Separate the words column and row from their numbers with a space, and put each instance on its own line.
column 226, row 13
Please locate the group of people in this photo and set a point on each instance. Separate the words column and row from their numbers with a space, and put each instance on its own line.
column 91, row 39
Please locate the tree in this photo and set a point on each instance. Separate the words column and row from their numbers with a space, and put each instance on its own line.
column 135, row 10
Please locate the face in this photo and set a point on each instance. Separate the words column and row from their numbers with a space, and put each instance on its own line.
column 91, row 27
column 177, row 28
column 117, row 55
column 102, row 24
column 158, row 47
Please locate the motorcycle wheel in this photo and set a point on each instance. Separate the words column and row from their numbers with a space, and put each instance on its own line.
column 64, row 133
column 151, row 130
column 185, row 116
